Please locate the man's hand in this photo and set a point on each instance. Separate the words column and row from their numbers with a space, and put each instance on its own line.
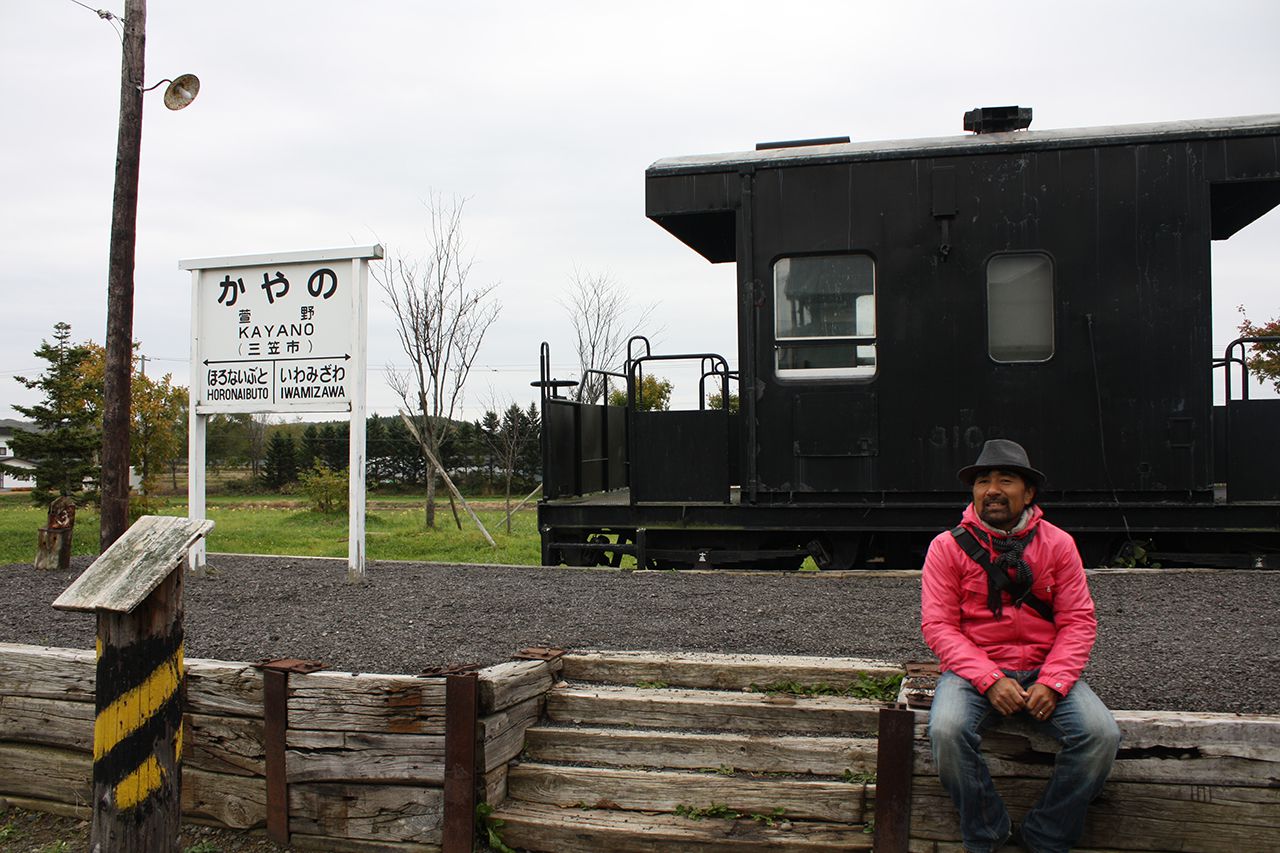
column 1007, row 696
column 1041, row 701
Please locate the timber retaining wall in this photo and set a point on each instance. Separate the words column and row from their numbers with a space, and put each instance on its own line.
column 364, row 754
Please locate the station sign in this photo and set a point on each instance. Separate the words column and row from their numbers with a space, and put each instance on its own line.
column 277, row 334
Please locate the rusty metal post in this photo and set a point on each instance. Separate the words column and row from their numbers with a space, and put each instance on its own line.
column 460, row 707
column 275, row 726
column 275, row 721
column 894, row 758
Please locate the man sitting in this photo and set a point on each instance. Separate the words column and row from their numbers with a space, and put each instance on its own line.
column 1006, row 608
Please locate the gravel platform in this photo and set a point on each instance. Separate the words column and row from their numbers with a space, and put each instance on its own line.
column 1172, row 640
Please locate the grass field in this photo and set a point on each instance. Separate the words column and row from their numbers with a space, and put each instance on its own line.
column 275, row 524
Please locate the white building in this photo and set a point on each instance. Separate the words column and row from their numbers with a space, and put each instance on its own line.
column 10, row 481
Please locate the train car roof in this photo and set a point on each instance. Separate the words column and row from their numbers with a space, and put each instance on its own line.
column 694, row 197
column 974, row 143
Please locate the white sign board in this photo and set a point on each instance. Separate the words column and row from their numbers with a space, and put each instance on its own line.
column 275, row 336
column 281, row 333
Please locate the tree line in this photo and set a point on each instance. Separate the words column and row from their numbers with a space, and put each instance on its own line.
column 495, row 454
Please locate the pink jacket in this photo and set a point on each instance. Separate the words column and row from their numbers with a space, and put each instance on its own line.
column 969, row 641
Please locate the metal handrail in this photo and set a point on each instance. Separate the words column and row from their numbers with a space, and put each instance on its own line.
column 1228, row 360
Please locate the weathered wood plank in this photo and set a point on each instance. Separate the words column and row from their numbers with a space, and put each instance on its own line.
column 46, row 773
column 327, row 844
column 382, row 813
column 224, row 745
column 365, row 702
column 500, row 737
column 507, row 684
column 223, row 687
column 52, row 722
column 493, row 785
column 47, row 672
column 541, row 827
column 134, row 565
column 756, row 753
column 1129, row 816
column 324, row 756
column 718, row 671
column 80, row 812
column 1031, row 755
column 239, row 802
column 604, row 705
column 1254, row 736
column 663, row 791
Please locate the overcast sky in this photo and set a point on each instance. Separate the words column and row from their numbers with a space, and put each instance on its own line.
column 323, row 124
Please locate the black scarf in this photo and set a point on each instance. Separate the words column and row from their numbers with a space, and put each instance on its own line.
column 1008, row 557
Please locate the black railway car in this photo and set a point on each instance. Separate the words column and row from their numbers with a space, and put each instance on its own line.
column 898, row 304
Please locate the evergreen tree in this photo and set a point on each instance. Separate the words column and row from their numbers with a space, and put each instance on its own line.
column 280, row 468
column 377, row 456
column 67, row 429
column 337, row 444
column 311, row 448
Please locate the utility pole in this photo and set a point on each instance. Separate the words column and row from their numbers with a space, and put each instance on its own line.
column 124, row 220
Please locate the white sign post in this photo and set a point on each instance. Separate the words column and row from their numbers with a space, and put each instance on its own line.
column 281, row 333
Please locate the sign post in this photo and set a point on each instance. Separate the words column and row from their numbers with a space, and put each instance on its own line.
column 281, row 333
column 135, row 588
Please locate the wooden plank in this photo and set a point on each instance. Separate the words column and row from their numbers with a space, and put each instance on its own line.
column 223, row 687
column 1129, row 816
column 493, row 785
column 500, row 737
column 134, row 565
column 365, row 702
column 507, row 684
column 758, row 753
column 541, row 827
column 223, row 745
column 382, row 813
column 46, row 773
column 239, row 802
column 663, row 791
column 718, row 671
column 80, row 811
column 1031, row 755
column 326, row 844
column 52, row 722
column 324, row 756
column 1255, row 736
column 604, row 705
column 47, row 672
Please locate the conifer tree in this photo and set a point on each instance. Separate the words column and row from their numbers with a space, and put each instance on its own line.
column 67, row 429
column 280, row 468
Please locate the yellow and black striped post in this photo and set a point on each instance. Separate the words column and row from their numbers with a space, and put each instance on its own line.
column 137, row 730
column 135, row 588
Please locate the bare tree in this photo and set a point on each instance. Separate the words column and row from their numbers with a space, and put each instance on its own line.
column 441, row 322
column 603, row 320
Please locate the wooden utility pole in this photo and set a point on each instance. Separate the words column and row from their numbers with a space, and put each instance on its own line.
column 124, row 220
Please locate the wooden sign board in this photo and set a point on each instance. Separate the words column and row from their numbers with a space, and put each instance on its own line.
column 134, row 565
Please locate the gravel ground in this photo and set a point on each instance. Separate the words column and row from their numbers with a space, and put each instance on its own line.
column 1195, row 641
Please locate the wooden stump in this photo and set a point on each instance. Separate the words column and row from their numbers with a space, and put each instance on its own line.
column 53, row 548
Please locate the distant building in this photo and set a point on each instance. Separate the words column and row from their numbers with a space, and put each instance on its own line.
column 11, row 481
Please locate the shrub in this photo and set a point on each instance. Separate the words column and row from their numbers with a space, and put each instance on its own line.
column 325, row 488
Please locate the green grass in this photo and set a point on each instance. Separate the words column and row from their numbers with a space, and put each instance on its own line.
column 275, row 524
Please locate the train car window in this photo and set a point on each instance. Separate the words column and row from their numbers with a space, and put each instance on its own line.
column 1020, row 307
column 825, row 316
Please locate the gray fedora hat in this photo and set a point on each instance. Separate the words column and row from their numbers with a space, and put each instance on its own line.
column 1005, row 455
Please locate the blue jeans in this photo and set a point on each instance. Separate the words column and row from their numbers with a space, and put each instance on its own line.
column 1081, row 723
